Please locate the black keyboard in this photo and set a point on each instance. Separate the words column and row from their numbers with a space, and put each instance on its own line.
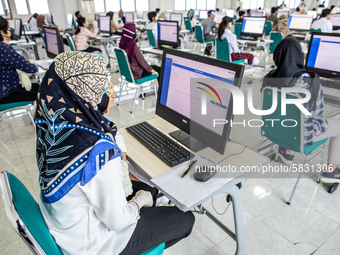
column 334, row 84
column 165, row 148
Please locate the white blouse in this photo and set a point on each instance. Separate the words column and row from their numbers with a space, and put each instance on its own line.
column 95, row 218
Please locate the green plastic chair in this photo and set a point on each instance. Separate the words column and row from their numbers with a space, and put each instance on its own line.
column 200, row 38
column 127, row 76
column 223, row 51
column 151, row 37
column 26, row 26
column 268, row 27
column 237, row 31
column 25, row 106
column 24, row 214
column 291, row 138
column 276, row 37
column 71, row 42
column 314, row 30
column 188, row 25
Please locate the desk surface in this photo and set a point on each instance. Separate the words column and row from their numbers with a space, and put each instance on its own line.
column 258, row 42
column 147, row 162
column 160, row 52
column 23, row 44
column 31, row 33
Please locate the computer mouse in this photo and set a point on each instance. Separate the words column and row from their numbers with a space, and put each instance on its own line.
column 204, row 173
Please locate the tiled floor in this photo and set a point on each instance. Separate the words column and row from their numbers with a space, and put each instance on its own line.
column 310, row 225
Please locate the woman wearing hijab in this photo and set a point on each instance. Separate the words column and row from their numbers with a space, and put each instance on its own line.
column 121, row 16
column 41, row 22
column 80, row 155
column 139, row 67
column 290, row 72
column 282, row 26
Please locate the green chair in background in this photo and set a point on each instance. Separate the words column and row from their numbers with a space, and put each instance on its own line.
column 276, row 37
column 71, row 42
column 200, row 38
column 268, row 27
column 314, row 30
column 223, row 51
column 151, row 37
column 127, row 76
column 237, row 30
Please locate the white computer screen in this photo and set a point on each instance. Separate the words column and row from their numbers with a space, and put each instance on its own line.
column 179, row 95
column 256, row 14
column 321, row 53
column 176, row 17
column 17, row 27
column 279, row 13
column 314, row 14
column 300, row 22
column 129, row 17
column 219, row 16
column 51, row 41
column 203, row 15
column 253, row 25
column 335, row 19
column 69, row 20
column 139, row 15
column 336, row 10
column 197, row 13
column 167, row 31
column 105, row 24
column 230, row 13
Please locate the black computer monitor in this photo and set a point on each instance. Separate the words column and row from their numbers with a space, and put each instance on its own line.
column 17, row 28
column 323, row 57
column 168, row 33
column 96, row 16
column 54, row 42
column 49, row 19
column 335, row 19
column 190, row 83
column 253, row 26
column 129, row 17
column 105, row 24
column 300, row 22
column 203, row 15
column 69, row 21
column 177, row 17
column 139, row 14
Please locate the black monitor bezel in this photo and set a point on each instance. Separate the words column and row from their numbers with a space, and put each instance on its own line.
column 59, row 40
column 97, row 15
column 321, row 72
column 295, row 29
column 204, row 135
column 255, row 35
column 336, row 27
column 17, row 36
column 168, row 43
column 172, row 13
column 104, row 31
column 133, row 15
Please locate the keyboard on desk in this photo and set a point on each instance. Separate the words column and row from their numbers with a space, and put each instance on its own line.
column 44, row 64
column 161, row 145
column 334, row 84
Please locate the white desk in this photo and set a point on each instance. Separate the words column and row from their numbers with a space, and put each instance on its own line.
column 24, row 46
column 151, row 166
column 159, row 52
column 32, row 35
column 105, row 41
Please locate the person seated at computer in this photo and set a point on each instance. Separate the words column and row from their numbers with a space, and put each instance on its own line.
column 323, row 23
column 114, row 27
column 161, row 16
column 121, row 16
column 282, row 26
column 84, row 203
column 157, row 10
column 282, row 5
column 224, row 32
column 153, row 24
column 191, row 17
column 272, row 17
column 139, row 67
column 303, row 11
column 77, row 14
column 208, row 24
column 41, row 21
column 10, row 61
column 83, row 34
column 32, row 22
column 290, row 72
column 248, row 12
column 241, row 15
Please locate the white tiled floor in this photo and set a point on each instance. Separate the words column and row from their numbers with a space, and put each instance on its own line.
column 309, row 225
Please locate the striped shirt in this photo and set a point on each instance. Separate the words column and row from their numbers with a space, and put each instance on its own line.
column 83, row 36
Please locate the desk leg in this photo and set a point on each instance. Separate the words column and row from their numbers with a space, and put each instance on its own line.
column 107, row 54
column 265, row 54
column 35, row 47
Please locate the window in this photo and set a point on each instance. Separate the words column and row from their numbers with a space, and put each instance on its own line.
column 191, row 4
column 38, row 6
column 99, row 5
column 290, row 3
column 201, row 5
column 252, row 4
column 211, row 4
column 112, row 5
column 5, row 11
column 21, row 6
column 179, row 5
column 143, row 5
column 128, row 5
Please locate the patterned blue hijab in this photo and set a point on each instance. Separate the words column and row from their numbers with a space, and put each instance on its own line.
column 74, row 139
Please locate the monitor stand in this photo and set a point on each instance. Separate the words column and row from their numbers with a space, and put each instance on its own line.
column 187, row 140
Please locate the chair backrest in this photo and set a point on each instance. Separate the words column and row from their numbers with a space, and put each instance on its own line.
column 223, row 50
column 188, row 25
column 238, row 27
column 124, row 65
column 314, row 30
column 276, row 37
column 151, row 37
column 27, row 27
column 71, row 42
column 75, row 24
column 24, row 214
column 290, row 138
column 268, row 27
column 199, row 33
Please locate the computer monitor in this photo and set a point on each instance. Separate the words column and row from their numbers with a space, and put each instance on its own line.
column 322, row 57
column 139, row 14
column 49, row 19
column 17, row 28
column 169, row 10
column 253, row 26
column 280, row 12
column 219, row 16
column 69, row 21
column 177, row 17
column 314, row 14
column 320, row 9
column 105, row 24
column 96, row 16
column 335, row 19
column 180, row 97
column 129, row 17
column 257, row 14
column 230, row 13
column 197, row 13
column 203, row 15
column 54, row 42
column 300, row 22
column 335, row 10
column 168, row 33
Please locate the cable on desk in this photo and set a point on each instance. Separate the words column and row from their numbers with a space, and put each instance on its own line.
column 232, row 155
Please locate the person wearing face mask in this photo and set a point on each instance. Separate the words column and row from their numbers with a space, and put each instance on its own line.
column 83, row 34
column 323, row 23
column 10, row 61
column 224, row 32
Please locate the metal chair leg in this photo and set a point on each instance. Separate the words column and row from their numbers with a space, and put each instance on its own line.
column 134, row 99
column 296, row 183
column 155, row 89
column 121, row 84
column 276, row 152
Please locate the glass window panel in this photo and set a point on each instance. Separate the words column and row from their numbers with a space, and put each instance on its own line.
column 21, row 6
column 38, row 6
column 112, row 5
column 211, row 4
column 179, row 5
column 143, row 5
column 191, row 4
column 99, row 5
column 128, row 5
